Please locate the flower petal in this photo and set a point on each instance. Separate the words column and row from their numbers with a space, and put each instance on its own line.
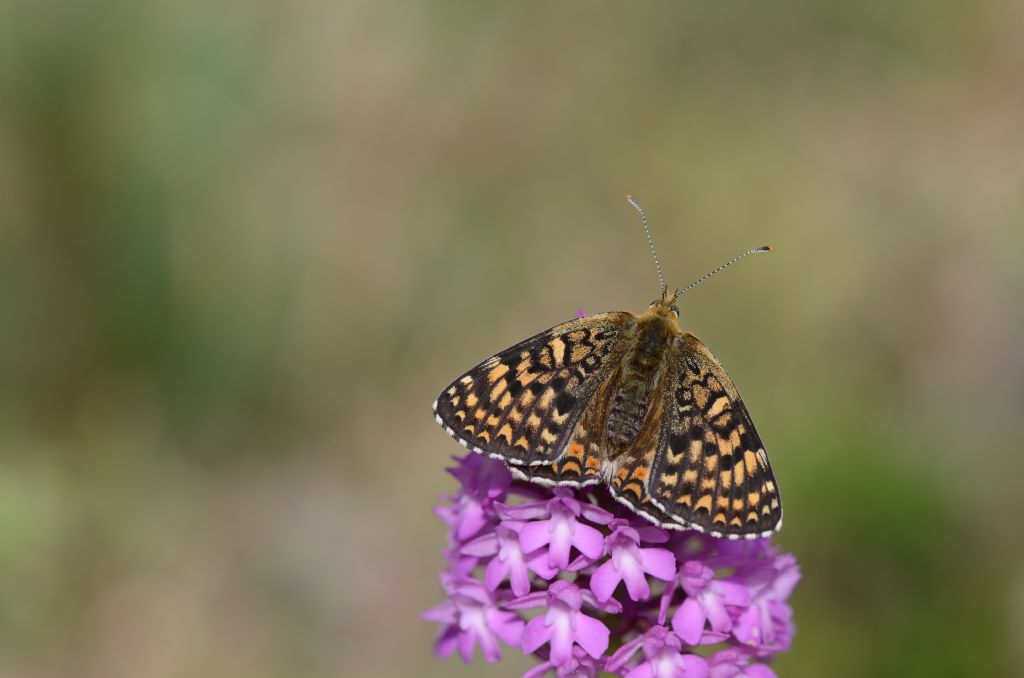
column 561, row 542
column 539, row 670
column 622, row 656
column 591, row 635
column 636, row 583
column 695, row 666
column 567, row 593
column 483, row 546
column 717, row 614
column 507, row 626
column 604, row 581
column 535, row 535
column 488, row 645
column 588, row 540
column 530, row 600
column 731, row 592
column 465, row 643
column 596, row 514
column 538, row 562
column 471, row 519
column 788, row 576
column 746, row 628
column 759, row 671
column 518, row 578
column 495, row 574
column 659, row 563
column 536, row 633
column 645, row 670
column 610, row 606
column 445, row 613
column 561, row 637
column 446, row 642
column 580, row 562
column 688, row 621
column 652, row 534
column 530, row 511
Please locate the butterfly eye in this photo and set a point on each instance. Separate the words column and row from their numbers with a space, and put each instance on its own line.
column 675, row 310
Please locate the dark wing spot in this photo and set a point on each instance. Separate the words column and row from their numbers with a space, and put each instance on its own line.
column 722, row 425
column 515, row 388
column 564, row 402
column 558, row 383
column 536, row 388
column 540, row 353
column 677, row 442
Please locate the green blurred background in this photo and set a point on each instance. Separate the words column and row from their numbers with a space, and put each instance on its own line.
column 243, row 246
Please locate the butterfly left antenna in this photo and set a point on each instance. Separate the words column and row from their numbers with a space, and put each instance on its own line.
column 650, row 241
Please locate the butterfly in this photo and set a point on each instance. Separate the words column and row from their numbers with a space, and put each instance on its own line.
column 630, row 401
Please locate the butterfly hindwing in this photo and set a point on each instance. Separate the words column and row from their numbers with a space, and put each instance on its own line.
column 711, row 472
column 581, row 463
column 629, row 487
column 523, row 404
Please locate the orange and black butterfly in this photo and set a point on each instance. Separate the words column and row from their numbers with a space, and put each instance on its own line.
column 630, row 401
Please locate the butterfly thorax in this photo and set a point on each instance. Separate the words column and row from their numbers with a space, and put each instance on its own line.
column 643, row 368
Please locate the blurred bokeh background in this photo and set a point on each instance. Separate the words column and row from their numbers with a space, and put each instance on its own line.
column 243, row 246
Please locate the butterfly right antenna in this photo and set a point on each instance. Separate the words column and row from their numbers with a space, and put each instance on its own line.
column 756, row 250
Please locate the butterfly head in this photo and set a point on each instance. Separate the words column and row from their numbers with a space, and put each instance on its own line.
column 666, row 305
column 660, row 322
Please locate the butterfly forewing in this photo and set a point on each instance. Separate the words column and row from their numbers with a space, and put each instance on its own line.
column 523, row 404
column 711, row 472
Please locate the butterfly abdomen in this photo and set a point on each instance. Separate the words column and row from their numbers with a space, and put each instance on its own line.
column 642, row 370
